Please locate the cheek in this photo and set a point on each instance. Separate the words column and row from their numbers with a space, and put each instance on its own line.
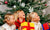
column 20, row 15
column 12, row 21
column 38, row 18
column 8, row 21
column 23, row 16
column 35, row 19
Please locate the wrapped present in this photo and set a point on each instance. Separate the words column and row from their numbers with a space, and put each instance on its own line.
column 27, row 26
column 46, row 26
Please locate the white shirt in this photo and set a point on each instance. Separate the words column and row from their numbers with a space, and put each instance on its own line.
column 7, row 27
column 37, row 25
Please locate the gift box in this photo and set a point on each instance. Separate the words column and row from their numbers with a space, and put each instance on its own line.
column 46, row 26
column 27, row 26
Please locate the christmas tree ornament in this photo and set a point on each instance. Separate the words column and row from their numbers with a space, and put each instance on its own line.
column 43, row 1
column 39, row 2
column 45, row 4
column 6, row 2
column 31, row 9
column 14, row 6
column 19, row 0
column 22, row 4
column 44, row 12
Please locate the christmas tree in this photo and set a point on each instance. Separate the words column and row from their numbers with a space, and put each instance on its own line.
column 27, row 6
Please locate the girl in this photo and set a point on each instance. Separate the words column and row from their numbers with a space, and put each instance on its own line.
column 19, row 17
column 33, row 16
column 9, row 25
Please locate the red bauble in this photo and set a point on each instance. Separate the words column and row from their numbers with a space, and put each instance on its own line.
column 45, row 4
column 6, row 2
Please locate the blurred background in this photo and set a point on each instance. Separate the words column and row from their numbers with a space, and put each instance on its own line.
column 4, row 7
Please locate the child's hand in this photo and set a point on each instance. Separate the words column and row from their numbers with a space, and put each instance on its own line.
column 20, row 28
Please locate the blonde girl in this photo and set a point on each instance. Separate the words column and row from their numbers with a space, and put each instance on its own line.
column 19, row 17
column 9, row 23
column 34, row 18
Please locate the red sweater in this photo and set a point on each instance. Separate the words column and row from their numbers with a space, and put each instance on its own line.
column 18, row 23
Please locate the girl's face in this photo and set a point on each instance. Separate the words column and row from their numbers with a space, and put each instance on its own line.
column 36, row 18
column 11, row 19
column 21, row 14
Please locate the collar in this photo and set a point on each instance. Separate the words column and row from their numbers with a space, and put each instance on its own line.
column 36, row 23
column 7, row 26
column 19, row 21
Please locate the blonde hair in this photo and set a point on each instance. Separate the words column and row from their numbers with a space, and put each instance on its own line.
column 16, row 14
column 31, row 15
column 7, row 17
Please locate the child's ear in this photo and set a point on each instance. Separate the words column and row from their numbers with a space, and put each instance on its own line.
column 4, row 20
